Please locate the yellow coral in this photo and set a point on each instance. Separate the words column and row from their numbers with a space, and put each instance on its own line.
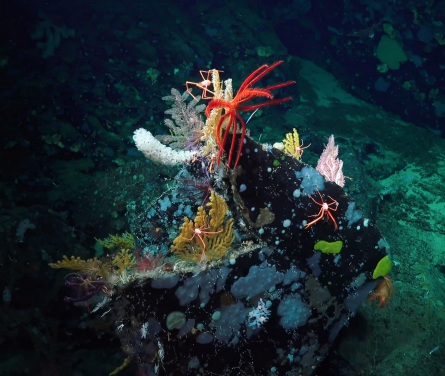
column 216, row 233
column 73, row 263
column 125, row 241
column 292, row 145
column 94, row 267
column 102, row 268
column 123, row 260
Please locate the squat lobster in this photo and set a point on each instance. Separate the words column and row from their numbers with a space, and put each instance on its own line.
column 204, row 84
column 325, row 207
column 200, row 232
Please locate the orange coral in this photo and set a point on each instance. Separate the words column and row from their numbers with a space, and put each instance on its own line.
column 383, row 292
column 192, row 248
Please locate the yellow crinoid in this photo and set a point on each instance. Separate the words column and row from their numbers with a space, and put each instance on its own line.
column 292, row 145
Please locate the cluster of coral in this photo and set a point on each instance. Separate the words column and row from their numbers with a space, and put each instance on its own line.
column 240, row 270
column 192, row 240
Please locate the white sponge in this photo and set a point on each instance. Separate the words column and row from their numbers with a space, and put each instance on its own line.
column 157, row 152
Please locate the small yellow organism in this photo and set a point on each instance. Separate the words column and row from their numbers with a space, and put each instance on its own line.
column 327, row 247
column 383, row 268
column 292, row 145
column 93, row 267
column 125, row 241
column 122, row 261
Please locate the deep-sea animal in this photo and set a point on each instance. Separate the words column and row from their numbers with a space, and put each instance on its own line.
column 383, row 292
column 204, row 85
column 324, row 209
column 232, row 108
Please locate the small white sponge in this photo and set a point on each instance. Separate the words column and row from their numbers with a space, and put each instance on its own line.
column 157, row 152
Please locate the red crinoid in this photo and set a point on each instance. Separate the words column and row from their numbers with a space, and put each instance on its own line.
column 245, row 93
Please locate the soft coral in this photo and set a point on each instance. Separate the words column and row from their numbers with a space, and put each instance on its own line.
column 147, row 262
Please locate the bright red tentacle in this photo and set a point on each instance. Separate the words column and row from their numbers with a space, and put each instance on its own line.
column 226, row 135
column 241, row 140
column 260, row 75
column 279, row 86
column 255, row 106
column 251, row 76
column 232, row 144
column 215, row 103
column 232, row 108
column 218, row 130
column 248, row 94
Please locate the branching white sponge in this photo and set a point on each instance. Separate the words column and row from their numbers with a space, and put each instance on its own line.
column 157, row 152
